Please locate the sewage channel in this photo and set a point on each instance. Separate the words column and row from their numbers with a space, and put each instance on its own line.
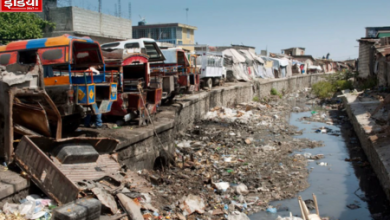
column 339, row 184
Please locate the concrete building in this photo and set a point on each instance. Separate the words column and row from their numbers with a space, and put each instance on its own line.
column 173, row 33
column 366, row 57
column 81, row 22
column 377, row 32
column 294, row 51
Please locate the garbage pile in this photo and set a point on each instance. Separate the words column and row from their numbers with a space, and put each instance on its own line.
column 233, row 163
column 230, row 164
column 32, row 207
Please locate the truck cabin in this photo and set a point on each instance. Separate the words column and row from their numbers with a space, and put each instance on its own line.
column 134, row 69
column 176, row 61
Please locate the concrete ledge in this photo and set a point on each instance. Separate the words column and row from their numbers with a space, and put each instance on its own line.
column 375, row 146
column 11, row 183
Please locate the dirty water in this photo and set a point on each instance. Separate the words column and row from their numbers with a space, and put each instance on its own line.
column 336, row 185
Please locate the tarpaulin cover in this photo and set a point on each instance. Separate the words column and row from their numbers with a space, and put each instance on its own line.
column 240, row 68
column 315, row 67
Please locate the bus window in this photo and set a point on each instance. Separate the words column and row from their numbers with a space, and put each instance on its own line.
column 54, row 55
column 86, row 53
column 153, row 51
column 8, row 58
column 28, row 57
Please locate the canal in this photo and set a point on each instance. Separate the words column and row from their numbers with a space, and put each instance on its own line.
column 340, row 183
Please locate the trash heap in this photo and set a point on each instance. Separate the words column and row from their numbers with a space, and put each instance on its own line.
column 32, row 207
column 232, row 163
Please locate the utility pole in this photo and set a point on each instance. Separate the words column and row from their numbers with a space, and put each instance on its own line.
column 130, row 10
column 119, row 8
column 187, row 9
column 116, row 10
column 100, row 6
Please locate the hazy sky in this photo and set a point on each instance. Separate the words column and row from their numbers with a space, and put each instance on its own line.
column 321, row 26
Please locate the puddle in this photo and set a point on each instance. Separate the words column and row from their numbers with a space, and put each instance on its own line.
column 336, row 185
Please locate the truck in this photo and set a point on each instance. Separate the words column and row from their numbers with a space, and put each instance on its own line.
column 136, row 99
column 212, row 69
column 210, row 65
column 176, row 68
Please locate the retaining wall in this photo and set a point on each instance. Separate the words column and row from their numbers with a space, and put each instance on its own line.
column 375, row 146
column 139, row 148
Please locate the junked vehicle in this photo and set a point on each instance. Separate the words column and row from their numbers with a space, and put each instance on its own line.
column 136, row 99
column 69, row 76
column 175, row 72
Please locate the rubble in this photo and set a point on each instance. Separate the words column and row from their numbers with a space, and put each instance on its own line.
column 229, row 165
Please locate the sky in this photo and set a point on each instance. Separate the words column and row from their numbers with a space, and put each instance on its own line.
column 320, row 26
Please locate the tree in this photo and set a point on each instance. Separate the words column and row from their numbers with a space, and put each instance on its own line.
column 21, row 26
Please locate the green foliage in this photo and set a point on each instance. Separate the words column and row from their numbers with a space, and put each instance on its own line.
column 343, row 85
column 256, row 99
column 19, row 26
column 333, row 83
column 323, row 89
column 274, row 91
column 369, row 83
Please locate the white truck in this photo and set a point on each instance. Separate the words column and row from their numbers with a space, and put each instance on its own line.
column 211, row 67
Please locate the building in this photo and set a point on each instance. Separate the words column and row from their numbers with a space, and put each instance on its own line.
column 294, row 51
column 81, row 22
column 366, row 57
column 173, row 33
column 377, row 32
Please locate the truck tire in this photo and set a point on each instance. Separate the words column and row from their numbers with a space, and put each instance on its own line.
column 216, row 81
column 208, row 83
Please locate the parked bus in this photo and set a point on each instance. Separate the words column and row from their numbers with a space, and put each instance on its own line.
column 71, row 79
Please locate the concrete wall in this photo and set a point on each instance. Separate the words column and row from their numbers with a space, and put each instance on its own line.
column 192, row 109
column 81, row 22
column 375, row 147
column 263, row 89
column 99, row 24
column 62, row 17
column 139, row 148
column 365, row 58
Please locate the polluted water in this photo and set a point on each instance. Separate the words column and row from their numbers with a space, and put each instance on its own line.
column 345, row 185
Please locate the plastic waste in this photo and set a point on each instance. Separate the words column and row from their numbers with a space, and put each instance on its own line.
column 324, row 164
column 191, row 204
column 272, row 210
column 241, row 189
column 223, row 186
column 237, row 216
